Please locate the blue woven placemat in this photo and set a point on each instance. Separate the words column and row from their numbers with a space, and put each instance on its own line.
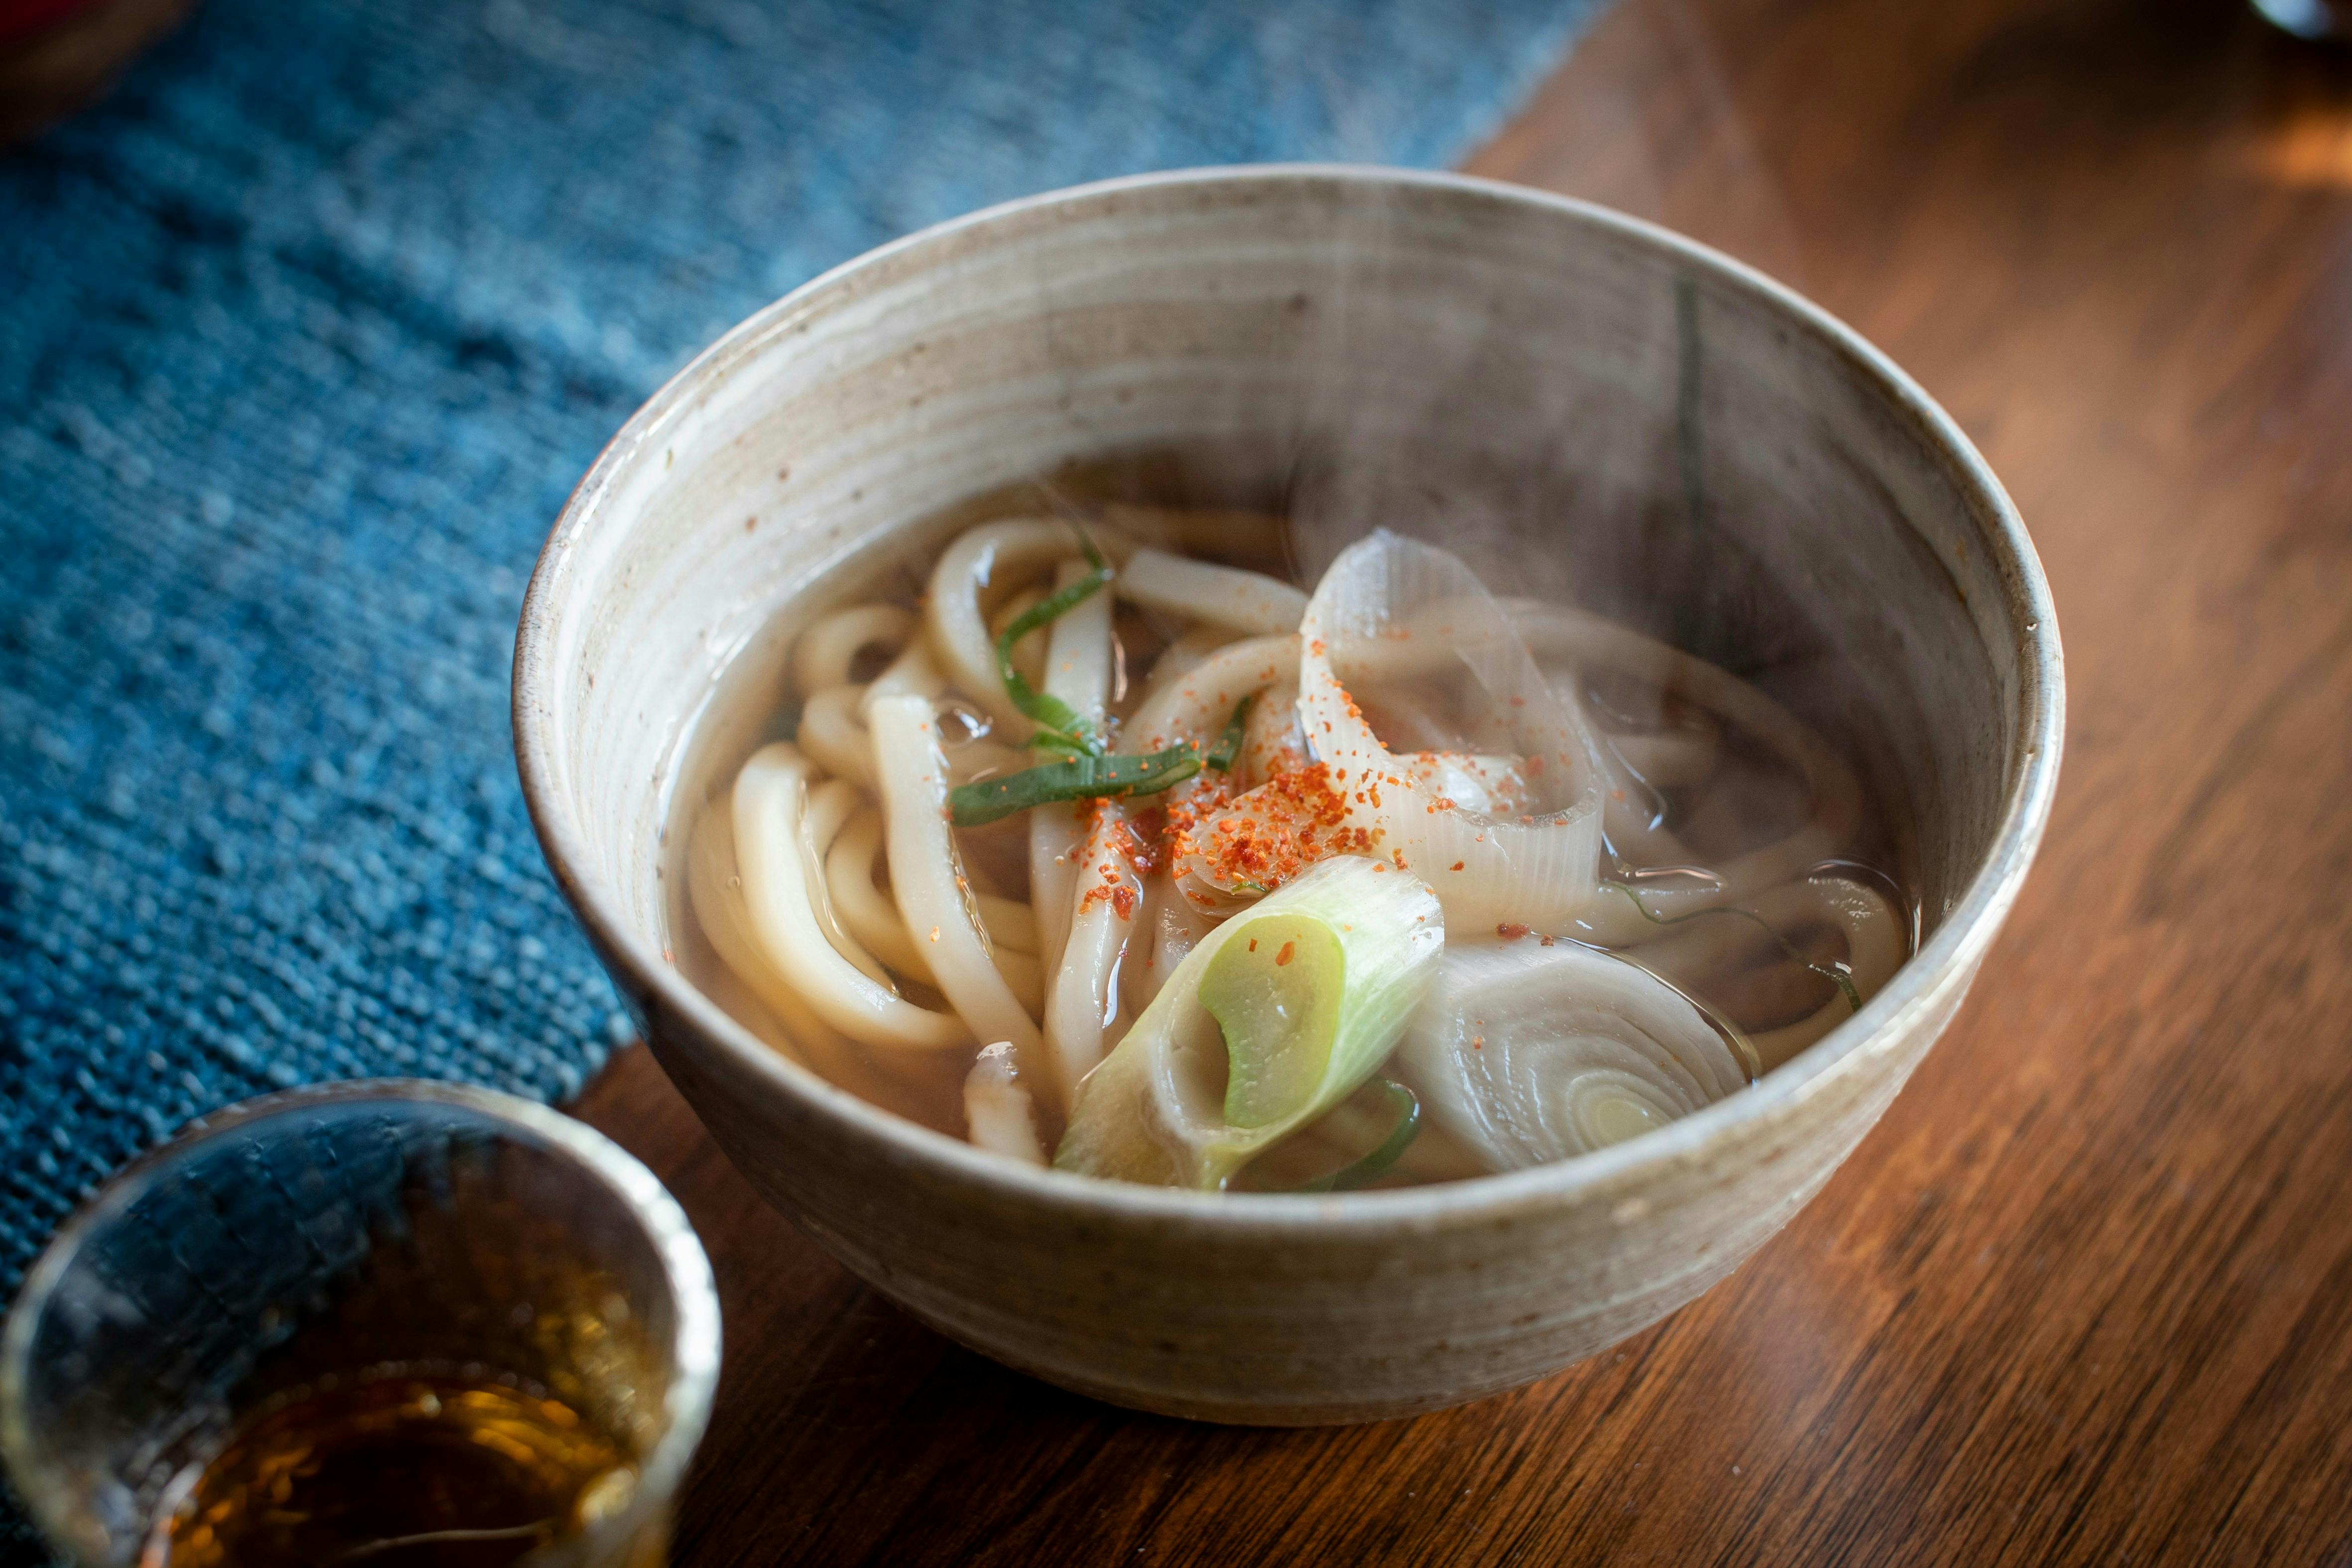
column 304, row 335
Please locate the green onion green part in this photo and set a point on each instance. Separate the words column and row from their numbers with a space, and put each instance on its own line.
column 1309, row 993
column 1228, row 748
column 1364, row 1172
column 1834, row 973
column 1059, row 726
column 1085, row 776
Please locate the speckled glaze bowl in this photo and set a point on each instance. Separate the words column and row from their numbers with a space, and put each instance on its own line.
column 1611, row 406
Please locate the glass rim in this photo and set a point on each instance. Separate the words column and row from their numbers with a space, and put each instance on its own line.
column 685, row 1269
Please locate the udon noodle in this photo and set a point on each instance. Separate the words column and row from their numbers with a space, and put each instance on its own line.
column 1115, row 859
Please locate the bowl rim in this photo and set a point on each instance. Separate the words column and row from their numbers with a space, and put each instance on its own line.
column 1948, row 955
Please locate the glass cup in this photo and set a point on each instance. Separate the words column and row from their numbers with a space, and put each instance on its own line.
column 2309, row 19
column 404, row 1250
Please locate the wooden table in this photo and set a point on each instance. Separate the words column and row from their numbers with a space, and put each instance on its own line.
column 2087, row 1293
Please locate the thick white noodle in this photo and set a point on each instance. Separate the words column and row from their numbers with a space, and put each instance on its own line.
column 1078, row 663
column 1012, row 924
column 1081, row 993
column 1083, row 1019
column 830, row 732
column 1023, row 977
column 1194, row 706
column 715, row 892
column 779, row 910
column 1184, row 653
column 783, row 878
column 1248, row 601
column 1055, row 847
column 974, row 574
column 832, row 719
column 1557, row 632
column 926, row 876
column 1029, row 653
column 914, row 672
column 864, row 908
column 831, row 806
column 996, row 1107
column 1079, row 672
column 1667, row 759
column 828, row 652
column 1876, row 942
column 873, row 922
column 1172, row 928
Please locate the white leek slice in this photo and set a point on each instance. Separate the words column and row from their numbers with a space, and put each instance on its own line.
column 1514, row 838
column 1245, row 1046
column 1526, row 1054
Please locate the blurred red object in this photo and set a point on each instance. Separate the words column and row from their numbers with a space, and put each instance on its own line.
column 57, row 54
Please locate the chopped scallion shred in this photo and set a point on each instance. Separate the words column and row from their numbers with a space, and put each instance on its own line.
column 1228, row 748
column 1371, row 1167
column 1060, row 727
column 1080, row 777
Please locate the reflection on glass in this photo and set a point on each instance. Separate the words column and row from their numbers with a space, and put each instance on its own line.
column 384, row 1323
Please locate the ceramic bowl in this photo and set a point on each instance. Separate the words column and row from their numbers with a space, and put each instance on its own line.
column 1601, row 411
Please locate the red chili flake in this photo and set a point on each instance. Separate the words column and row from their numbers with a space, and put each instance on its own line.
column 1288, row 950
column 1510, row 930
column 1455, row 867
column 1122, row 902
column 1253, row 944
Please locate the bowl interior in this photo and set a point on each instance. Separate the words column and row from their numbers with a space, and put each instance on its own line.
column 1585, row 407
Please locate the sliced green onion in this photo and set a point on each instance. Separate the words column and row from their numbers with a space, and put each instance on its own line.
column 1310, row 992
column 1081, row 777
column 1834, row 973
column 1060, row 727
column 1364, row 1172
column 1228, row 748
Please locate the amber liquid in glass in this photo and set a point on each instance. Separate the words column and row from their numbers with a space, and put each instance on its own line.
column 393, row 1471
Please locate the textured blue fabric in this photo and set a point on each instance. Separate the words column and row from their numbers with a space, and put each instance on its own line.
column 304, row 335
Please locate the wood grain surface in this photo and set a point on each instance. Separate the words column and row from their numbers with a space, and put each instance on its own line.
column 2086, row 1294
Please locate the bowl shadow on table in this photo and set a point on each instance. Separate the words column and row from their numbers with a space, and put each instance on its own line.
column 846, row 1431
